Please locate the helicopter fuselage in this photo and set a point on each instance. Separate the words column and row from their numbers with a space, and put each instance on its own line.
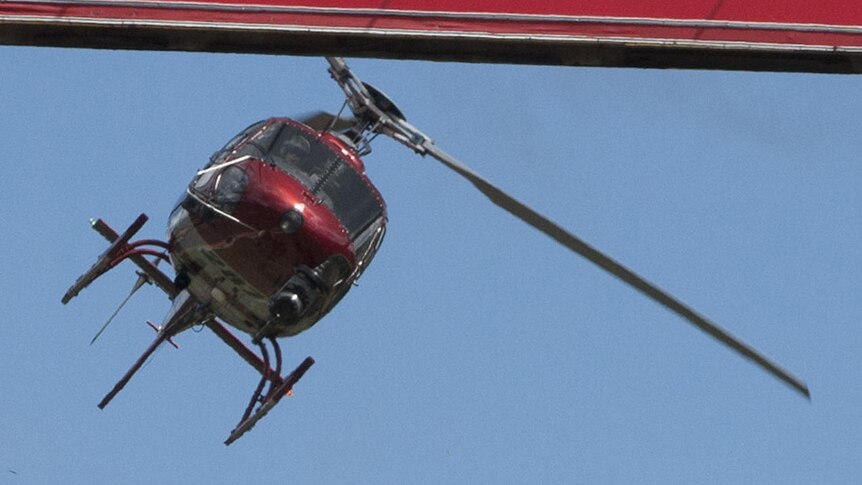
column 282, row 211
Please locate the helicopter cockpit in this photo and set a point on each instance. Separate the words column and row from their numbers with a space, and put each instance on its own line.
column 322, row 170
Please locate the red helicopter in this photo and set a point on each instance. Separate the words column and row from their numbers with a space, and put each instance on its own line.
column 275, row 229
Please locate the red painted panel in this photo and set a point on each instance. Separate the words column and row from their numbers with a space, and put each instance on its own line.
column 791, row 26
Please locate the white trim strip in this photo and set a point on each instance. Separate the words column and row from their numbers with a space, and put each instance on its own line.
column 224, row 164
column 218, row 211
column 453, row 35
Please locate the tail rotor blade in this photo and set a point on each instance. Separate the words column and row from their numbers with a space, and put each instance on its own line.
column 322, row 121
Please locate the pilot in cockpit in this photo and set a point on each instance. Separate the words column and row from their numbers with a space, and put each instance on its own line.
column 293, row 150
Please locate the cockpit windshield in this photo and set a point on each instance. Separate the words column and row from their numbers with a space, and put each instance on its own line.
column 317, row 167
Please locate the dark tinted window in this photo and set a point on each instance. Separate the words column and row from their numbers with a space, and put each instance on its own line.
column 323, row 172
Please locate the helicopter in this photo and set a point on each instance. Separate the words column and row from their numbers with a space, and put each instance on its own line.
column 281, row 222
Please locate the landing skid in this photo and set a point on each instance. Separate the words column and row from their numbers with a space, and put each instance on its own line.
column 121, row 249
column 269, row 402
column 278, row 386
column 184, row 313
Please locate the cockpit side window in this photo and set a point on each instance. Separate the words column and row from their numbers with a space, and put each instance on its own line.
column 231, row 146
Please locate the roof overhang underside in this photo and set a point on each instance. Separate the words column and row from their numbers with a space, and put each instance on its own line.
column 676, row 39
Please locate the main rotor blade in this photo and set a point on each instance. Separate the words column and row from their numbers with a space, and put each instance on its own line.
column 321, row 120
column 543, row 224
column 365, row 106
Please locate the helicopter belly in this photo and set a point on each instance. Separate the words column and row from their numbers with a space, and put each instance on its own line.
column 237, row 269
column 214, row 277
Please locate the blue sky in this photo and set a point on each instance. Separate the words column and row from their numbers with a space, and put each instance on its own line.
column 474, row 350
